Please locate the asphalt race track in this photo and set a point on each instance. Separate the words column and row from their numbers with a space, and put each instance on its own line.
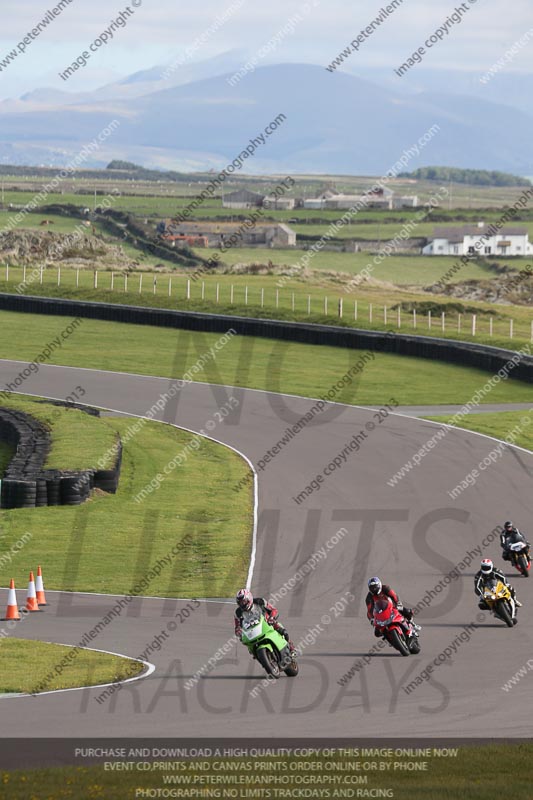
column 410, row 535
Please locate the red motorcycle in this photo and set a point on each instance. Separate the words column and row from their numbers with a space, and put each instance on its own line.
column 519, row 557
column 389, row 621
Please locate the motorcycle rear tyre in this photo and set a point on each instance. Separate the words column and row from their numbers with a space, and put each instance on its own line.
column 292, row 670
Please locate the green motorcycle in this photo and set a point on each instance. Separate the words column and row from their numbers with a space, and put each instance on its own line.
column 267, row 645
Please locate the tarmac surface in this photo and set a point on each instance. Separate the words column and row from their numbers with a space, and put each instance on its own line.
column 411, row 534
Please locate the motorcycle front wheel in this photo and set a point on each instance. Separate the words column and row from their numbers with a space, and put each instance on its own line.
column 523, row 566
column 503, row 613
column 398, row 643
column 268, row 661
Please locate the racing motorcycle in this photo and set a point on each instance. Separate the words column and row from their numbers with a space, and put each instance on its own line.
column 519, row 555
column 498, row 598
column 389, row 621
column 267, row 645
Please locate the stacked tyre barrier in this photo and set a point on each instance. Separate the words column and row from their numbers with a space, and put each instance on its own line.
column 452, row 351
column 27, row 485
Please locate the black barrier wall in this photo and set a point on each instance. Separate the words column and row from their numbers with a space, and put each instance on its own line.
column 453, row 351
column 27, row 485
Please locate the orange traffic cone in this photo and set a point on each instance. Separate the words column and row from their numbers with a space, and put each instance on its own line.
column 39, row 588
column 31, row 597
column 12, row 608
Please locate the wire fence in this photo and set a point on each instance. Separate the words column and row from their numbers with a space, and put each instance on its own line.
column 212, row 291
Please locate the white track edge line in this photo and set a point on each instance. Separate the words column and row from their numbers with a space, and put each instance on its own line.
column 253, row 553
column 145, row 674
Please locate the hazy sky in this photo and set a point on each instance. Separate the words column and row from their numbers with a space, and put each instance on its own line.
column 161, row 30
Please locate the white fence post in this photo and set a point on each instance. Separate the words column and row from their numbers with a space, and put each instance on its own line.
column 155, row 284
column 170, row 286
column 188, row 288
column 203, row 290
column 458, row 323
column 473, row 324
column 277, row 298
column 218, row 291
column 24, row 273
column 309, row 310
column 41, row 275
column 414, row 317
column 443, row 321
column 59, row 276
column 355, row 309
column 326, row 306
column 125, row 281
column 370, row 312
column 7, row 273
column 429, row 319
column 112, row 280
column 262, row 296
column 140, row 283
column 340, row 307
column 511, row 328
column 231, row 294
column 399, row 316
column 95, row 284
column 490, row 326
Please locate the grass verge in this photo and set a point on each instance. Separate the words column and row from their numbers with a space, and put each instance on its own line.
column 279, row 366
column 79, row 440
column 24, row 664
column 513, row 426
column 110, row 543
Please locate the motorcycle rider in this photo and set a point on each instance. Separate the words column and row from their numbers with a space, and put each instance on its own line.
column 510, row 535
column 245, row 602
column 377, row 590
column 482, row 577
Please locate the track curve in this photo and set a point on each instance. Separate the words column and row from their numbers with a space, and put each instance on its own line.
column 409, row 534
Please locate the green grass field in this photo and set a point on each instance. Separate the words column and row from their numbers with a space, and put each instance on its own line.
column 475, row 773
column 79, row 440
column 518, row 424
column 279, row 366
column 399, row 269
column 111, row 542
column 25, row 664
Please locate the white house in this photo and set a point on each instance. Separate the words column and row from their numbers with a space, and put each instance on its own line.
column 480, row 239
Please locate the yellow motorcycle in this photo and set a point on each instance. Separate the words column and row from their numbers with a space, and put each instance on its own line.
column 498, row 598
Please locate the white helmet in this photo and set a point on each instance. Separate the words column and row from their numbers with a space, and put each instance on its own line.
column 487, row 566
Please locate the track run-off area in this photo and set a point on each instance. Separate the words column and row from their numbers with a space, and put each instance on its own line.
column 315, row 555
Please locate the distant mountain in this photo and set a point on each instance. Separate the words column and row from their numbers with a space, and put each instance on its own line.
column 335, row 123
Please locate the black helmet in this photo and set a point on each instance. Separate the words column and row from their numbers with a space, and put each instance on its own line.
column 508, row 525
column 374, row 586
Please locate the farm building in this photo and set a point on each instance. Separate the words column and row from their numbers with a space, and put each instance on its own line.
column 247, row 233
column 242, row 198
column 380, row 198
